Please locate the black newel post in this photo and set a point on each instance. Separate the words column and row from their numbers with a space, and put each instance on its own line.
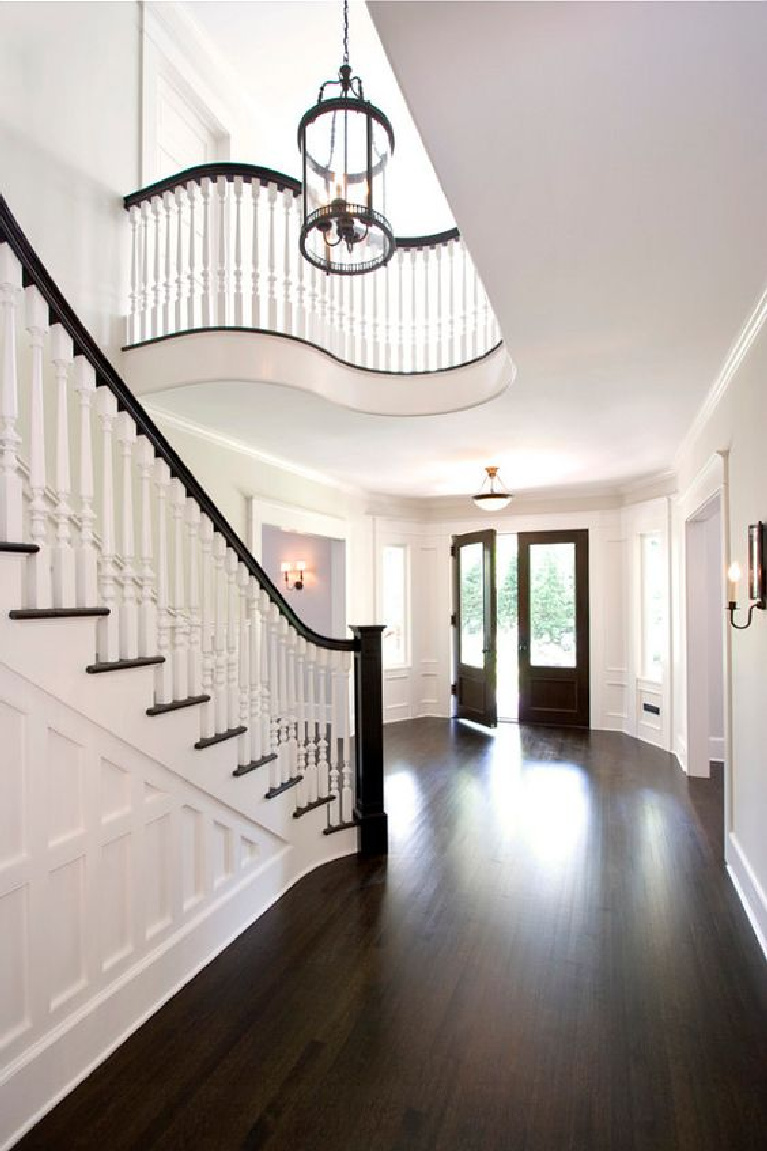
column 369, row 814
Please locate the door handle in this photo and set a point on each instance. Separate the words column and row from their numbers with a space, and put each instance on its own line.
column 523, row 648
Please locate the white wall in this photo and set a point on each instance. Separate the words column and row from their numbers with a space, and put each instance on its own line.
column 321, row 603
column 69, row 142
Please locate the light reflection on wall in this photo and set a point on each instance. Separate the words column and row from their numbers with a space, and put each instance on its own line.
column 554, row 810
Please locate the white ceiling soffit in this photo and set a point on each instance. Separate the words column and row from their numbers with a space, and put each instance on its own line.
column 607, row 165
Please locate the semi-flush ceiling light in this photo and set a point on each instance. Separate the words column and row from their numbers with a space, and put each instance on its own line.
column 345, row 144
column 492, row 496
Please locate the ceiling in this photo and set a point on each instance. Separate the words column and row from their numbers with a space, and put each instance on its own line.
column 607, row 164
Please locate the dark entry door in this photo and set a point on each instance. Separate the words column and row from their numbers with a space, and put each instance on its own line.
column 474, row 618
column 554, row 628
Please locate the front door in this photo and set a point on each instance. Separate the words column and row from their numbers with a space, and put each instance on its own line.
column 554, row 628
column 474, row 622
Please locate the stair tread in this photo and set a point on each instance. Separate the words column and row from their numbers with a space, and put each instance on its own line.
column 316, row 803
column 58, row 612
column 275, row 791
column 339, row 827
column 123, row 664
column 243, row 769
column 177, row 704
column 209, row 741
column 18, row 548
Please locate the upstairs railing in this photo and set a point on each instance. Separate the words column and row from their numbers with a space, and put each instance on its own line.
column 135, row 539
column 217, row 247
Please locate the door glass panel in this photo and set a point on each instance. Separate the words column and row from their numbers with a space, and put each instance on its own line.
column 472, row 604
column 552, row 605
column 508, row 669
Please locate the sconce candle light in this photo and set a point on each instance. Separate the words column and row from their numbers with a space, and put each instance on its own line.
column 287, row 568
column 757, row 576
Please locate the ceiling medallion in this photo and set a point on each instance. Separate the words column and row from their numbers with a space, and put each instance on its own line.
column 345, row 144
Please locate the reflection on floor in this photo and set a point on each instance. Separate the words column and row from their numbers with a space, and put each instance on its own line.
column 552, row 958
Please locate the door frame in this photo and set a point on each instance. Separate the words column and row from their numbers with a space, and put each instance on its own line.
column 487, row 675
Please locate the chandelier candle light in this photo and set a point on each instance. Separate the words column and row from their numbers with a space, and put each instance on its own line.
column 345, row 144
column 492, row 496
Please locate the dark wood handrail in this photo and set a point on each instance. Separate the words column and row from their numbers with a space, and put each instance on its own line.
column 228, row 169
column 34, row 272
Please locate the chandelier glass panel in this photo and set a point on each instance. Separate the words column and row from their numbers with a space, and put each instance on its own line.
column 345, row 144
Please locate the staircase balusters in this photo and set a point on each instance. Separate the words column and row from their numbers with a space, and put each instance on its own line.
column 163, row 690
column 301, row 266
column 363, row 352
column 194, row 680
column 207, row 310
column 191, row 311
column 292, row 697
column 344, row 733
column 255, row 745
column 323, row 706
column 300, row 665
column 315, row 333
column 427, row 334
column 86, row 568
column 438, row 261
column 219, row 633
column 180, row 618
column 339, row 282
column 329, row 729
column 167, row 200
column 284, row 708
column 464, row 304
column 475, row 314
column 146, row 321
column 265, row 711
column 156, row 327
column 310, row 752
column 133, row 327
column 287, row 307
column 62, row 356
column 108, row 628
column 147, row 619
column 222, row 251
column 10, row 475
column 126, row 436
column 208, row 713
column 378, row 278
column 255, row 306
column 413, row 313
column 40, row 570
column 232, row 627
column 179, row 301
column 451, row 357
column 243, row 741
column 400, row 258
column 273, row 679
column 271, row 313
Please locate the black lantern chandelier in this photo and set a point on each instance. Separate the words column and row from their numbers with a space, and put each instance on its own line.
column 345, row 144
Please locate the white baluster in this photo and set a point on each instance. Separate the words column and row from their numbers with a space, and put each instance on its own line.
column 62, row 355
column 300, row 681
column 339, row 283
column 40, row 574
column 292, row 726
column 194, row 682
column 239, row 311
column 323, row 704
column 378, row 277
column 220, row 588
column 464, row 305
column 87, row 556
column 475, row 315
column 438, row 257
column 300, row 263
column 401, row 309
column 10, row 475
column 108, row 637
column 344, row 732
column 313, row 327
column 413, row 314
column 254, row 722
column 287, row 309
column 285, row 750
column 180, row 618
column 223, row 254
column 426, row 300
column 451, row 304
column 275, row 768
column 179, row 301
column 271, row 322
column 386, row 284
column 351, row 345
column 167, row 199
column 147, row 619
column 126, row 435
column 243, row 742
column 191, row 191
column 233, row 694
column 486, row 320
column 163, row 683
column 265, row 710
column 146, row 319
column 208, row 711
column 207, row 310
column 331, row 744
column 255, row 307
column 310, row 753
column 326, row 319
column 157, row 287
column 363, row 353
column 133, row 333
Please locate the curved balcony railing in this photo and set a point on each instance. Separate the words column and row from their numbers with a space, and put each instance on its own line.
column 216, row 246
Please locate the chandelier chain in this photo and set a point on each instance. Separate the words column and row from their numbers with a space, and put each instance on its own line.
column 346, row 31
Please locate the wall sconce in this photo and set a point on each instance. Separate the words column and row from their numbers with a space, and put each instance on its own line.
column 287, row 568
column 757, row 576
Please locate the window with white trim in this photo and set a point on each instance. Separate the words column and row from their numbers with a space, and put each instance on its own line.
column 394, row 598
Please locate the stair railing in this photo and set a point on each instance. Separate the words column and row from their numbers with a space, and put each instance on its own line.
column 216, row 246
column 125, row 531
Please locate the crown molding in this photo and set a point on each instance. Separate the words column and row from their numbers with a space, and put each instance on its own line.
column 728, row 370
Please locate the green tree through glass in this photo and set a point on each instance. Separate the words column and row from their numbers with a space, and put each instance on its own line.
column 552, row 603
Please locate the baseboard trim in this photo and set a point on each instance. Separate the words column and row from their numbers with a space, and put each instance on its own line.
column 749, row 890
column 43, row 1076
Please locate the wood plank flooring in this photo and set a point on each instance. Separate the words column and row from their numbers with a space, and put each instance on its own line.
column 552, row 958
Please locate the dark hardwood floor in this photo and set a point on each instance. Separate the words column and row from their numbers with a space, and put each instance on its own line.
column 552, row 958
